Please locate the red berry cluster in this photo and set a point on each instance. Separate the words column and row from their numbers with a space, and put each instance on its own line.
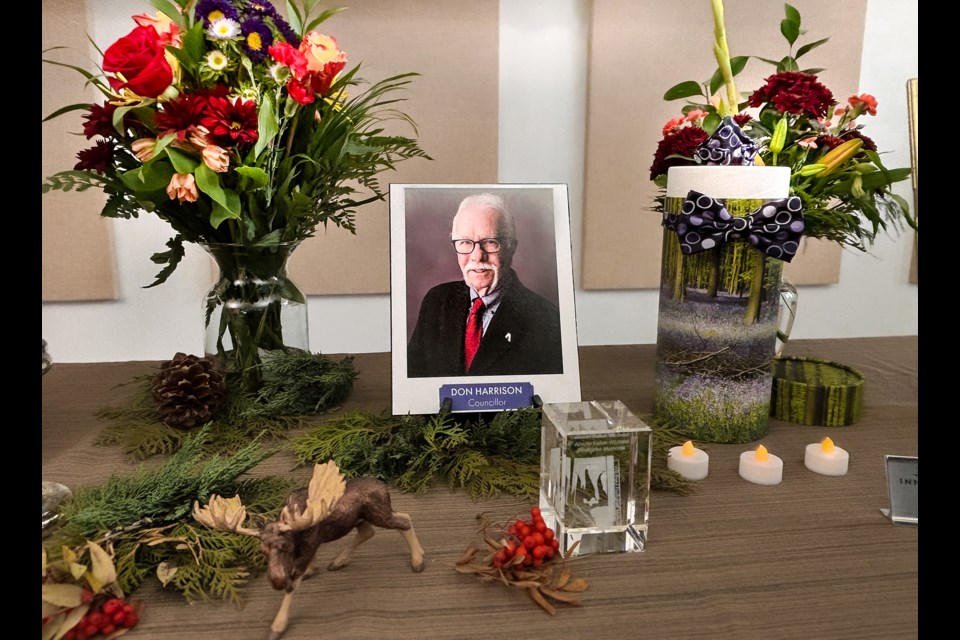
column 110, row 616
column 531, row 543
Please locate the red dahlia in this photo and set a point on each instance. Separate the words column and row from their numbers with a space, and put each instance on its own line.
column 868, row 144
column 231, row 124
column 682, row 142
column 829, row 142
column 794, row 92
column 97, row 158
column 181, row 116
column 99, row 121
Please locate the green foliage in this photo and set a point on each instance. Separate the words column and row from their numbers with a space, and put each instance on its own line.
column 210, row 564
column 298, row 385
column 486, row 457
column 224, row 569
column 159, row 495
column 145, row 516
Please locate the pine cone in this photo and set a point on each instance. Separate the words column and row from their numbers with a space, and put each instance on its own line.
column 189, row 391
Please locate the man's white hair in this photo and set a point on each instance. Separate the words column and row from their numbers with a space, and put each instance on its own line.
column 506, row 226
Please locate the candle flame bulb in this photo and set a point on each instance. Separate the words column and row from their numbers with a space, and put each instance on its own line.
column 688, row 461
column 761, row 466
column 826, row 458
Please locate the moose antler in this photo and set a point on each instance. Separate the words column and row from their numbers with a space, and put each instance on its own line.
column 326, row 487
column 225, row 514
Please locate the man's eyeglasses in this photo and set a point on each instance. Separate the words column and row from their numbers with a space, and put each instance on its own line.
column 487, row 245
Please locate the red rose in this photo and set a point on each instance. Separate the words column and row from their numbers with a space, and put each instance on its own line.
column 324, row 59
column 299, row 92
column 141, row 59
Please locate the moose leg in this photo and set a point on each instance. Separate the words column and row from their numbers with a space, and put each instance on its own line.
column 364, row 532
column 312, row 567
column 404, row 524
column 282, row 618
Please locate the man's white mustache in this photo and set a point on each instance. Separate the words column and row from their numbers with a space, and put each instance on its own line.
column 471, row 266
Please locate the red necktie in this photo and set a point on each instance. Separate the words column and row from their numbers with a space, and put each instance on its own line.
column 474, row 332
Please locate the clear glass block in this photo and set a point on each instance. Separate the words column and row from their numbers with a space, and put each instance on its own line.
column 595, row 476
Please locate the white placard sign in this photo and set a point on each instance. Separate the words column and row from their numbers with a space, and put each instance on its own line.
column 903, row 486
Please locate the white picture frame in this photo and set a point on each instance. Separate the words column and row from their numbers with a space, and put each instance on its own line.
column 422, row 257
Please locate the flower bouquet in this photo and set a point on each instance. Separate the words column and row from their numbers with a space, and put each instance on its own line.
column 796, row 122
column 244, row 131
column 743, row 179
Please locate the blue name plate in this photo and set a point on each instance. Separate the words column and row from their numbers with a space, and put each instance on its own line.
column 488, row 396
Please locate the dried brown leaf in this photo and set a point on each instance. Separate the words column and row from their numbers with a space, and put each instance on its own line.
column 576, row 585
column 473, row 568
column 526, row 575
column 468, row 554
column 493, row 544
column 571, row 550
column 564, row 577
column 526, row 584
column 537, row 597
column 562, row 596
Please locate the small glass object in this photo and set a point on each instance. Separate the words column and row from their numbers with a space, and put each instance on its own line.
column 45, row 360
column 595, row 476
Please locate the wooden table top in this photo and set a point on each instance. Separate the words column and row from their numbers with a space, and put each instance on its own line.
column 810, row 558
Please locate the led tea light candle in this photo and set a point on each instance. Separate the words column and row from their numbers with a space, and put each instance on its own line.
column 688, row 461
column 826, row 458
column 761, row 467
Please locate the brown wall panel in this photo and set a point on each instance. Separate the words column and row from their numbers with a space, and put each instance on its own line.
column 76, row 244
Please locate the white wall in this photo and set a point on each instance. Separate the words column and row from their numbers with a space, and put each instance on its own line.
column 543, row 62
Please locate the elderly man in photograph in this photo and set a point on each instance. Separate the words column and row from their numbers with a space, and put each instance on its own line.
column 488, row 323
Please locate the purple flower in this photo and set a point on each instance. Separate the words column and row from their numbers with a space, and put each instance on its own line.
column 210, row 10
column 257, row 37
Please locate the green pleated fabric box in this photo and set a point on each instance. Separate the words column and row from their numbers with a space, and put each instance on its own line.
column 816, row 392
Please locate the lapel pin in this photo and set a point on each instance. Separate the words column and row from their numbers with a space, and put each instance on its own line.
column 508, row 337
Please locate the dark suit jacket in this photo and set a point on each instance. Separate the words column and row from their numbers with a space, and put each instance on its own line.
column 523, row 337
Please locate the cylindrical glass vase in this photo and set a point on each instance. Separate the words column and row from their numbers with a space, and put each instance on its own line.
column 717, row 321
column 253, row 309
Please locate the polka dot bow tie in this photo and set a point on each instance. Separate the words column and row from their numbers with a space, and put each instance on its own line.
column 775, row 228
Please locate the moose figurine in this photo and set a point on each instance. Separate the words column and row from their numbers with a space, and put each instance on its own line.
column 328, row 509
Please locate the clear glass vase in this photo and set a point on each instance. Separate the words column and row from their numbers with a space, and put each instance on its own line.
column 252, row 309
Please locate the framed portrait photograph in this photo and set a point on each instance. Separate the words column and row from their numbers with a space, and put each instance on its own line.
column 482, row 303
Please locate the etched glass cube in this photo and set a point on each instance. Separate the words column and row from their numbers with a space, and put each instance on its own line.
column 595, row 476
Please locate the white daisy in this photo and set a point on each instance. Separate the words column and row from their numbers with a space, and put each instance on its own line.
column 217, row 61
column 224, row 29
